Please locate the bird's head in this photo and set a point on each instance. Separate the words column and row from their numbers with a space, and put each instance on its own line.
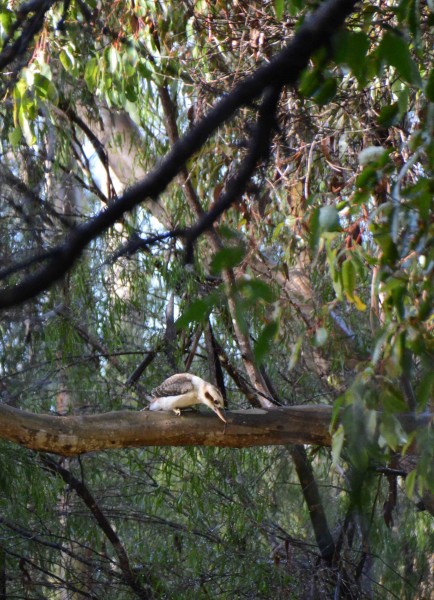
column 211, row 397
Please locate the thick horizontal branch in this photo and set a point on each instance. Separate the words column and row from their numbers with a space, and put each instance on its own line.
column 73, row 435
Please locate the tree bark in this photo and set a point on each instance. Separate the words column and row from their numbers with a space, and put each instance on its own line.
column 314, row 503
column 74, row 435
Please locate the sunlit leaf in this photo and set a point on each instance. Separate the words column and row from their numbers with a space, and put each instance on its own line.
column 348, row 276
column 279, row 6
column 358, row 303
column 66, row 59
column 410, row 483
column 112, row 59
column 15, row 136
column 91, row 73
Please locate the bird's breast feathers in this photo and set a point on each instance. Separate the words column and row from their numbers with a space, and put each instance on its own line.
column 173, row 402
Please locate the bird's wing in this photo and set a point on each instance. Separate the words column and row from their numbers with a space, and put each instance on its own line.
column 173, row 386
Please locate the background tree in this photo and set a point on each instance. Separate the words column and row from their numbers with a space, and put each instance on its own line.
column 172, row 201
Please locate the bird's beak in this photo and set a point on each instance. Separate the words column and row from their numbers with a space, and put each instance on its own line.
column 219, row 413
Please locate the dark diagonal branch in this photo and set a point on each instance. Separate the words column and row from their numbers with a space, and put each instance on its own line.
column 259, row 149
column 85, row 495
column 284, row 69
column 314, row 503
column 30, row 28
column 136, row 243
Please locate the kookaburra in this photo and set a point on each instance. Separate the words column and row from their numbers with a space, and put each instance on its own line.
column 183, row 390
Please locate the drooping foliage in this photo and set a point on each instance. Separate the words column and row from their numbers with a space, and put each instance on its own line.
column 312, row 283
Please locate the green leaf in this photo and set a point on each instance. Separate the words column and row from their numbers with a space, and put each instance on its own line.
column 255, row 290
column 310, row 81
column 131, row 93
column 329, row 219
column 91, row 74
column 45, row 88
column 337, row 444
column 295, row 353
column 393, row 402
column 429, row 88
column 389, row 115
column 279, row 6
column 334, row 273
column 22, row 86
column 350, row 48
column 67, row 60
column 294, row 6
column 348, row 277
column 227, row 258
column 393, row 50
column 6, row 20
column 112, row 58
column 26, row 128
column 410, row 483
column 277, row 231
column 326, row 91
column 264, row 342
column 15, row 136
column 403, row 101
column 391, row 431
column 197, row 312
column 390, row 251
column 336, row 412
column 425, row 389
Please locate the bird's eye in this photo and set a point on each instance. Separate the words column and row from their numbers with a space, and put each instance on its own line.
column 211, row 397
